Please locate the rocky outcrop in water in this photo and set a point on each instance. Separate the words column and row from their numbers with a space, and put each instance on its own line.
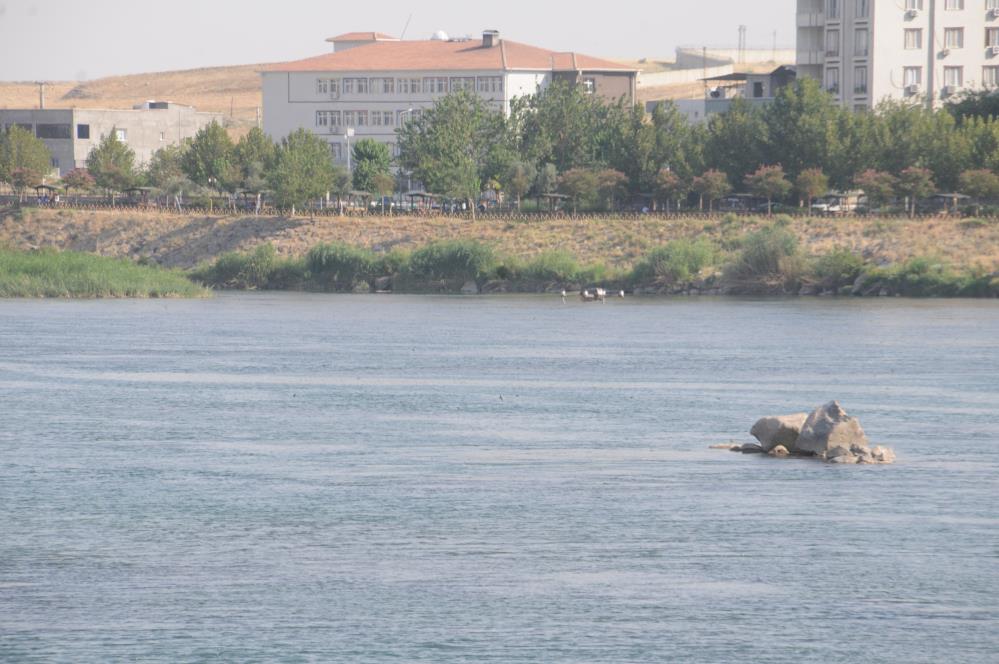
column 828, row 434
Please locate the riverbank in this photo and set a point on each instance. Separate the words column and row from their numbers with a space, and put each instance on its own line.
column 693, row 255
column 48, row 273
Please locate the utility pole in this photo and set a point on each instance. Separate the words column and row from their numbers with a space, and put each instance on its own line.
column 742, row 44
column 41, row 94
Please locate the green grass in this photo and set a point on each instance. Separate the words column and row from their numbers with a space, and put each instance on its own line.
column 48, row 273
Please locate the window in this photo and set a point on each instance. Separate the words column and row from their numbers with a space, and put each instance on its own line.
column 487, row 84
column 355, row 86
column 388, row 118
column 913, row 4
column 832, row 43
column 990, row 76
column 162, row 136
column 322, row 86
column 55, row 162
column 991, row 4
column 409, row 86
column 83, row 131
column 362, row 118
column 337, row 150
column 912, row 76
column 953, row 77
column 435, row 86
column 914, row 39
column 860, row 80
column 832, row 8
column 327, row 118
column 376, row 119
column 952, row 5
column 862, row 8
column 362, row 86
column 121, row 134
column 383, row 86
column 860, row 42
column 832, row 80
column 589, row 85
column 954, row 38
column 991, row 37
column 463, row 83
column 54, row 131
column 860, row 108
column 349, row 118
column 348, row 86
column 757, row 89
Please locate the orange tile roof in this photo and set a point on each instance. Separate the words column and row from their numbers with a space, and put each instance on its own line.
column 447, row 56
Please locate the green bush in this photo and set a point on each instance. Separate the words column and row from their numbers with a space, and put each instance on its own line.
column 553, row 266
column 764, row 253
column 337, row 266
column 458, row 260
column 676, row 262
column 837, row 269
column 240, row 270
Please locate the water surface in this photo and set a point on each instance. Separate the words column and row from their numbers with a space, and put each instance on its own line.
column 304, row 478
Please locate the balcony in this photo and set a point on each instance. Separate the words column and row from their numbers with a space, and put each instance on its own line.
column 811, row 56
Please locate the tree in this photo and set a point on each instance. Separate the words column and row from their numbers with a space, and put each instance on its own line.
column 561, row 125
column 610, row 185
column 811, row 183
column 519, row 179
column 877, row 185
column 382, row 185
column 112, row 164
column 210, row 159
column 768, row 182
column 803, row 127
column 547, row 182
column 453, row 147
column 670, row 187
column 254, row 156
column 736, row 141
column 79, row 179
column 24, row 159
column 581, row 185
column 915, row 183
column 981, row 184
column 303, row 169
column 712, row 185
column 165, row 166
column 371, row 159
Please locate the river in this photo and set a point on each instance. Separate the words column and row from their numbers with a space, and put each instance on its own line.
column 299, row 478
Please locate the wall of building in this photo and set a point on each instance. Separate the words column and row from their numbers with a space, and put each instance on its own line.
column 694, row 57
column 145, row 131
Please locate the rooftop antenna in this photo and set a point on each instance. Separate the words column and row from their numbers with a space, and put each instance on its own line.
column 403, row 35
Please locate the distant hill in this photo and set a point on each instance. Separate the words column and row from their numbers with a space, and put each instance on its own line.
column 234, row 91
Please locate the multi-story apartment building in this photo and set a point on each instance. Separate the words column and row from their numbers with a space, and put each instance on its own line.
column 922, row 51
column 70, row 134
column 373, row 83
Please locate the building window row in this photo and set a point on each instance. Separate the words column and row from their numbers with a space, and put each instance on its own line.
column 953, row 37
column 428, row 85
column 340, row 119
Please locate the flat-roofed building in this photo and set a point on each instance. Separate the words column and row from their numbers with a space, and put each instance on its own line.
column 70, row 134
column 372, row 83
column 922, row 51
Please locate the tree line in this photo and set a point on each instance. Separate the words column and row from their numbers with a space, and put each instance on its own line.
column 564, row 142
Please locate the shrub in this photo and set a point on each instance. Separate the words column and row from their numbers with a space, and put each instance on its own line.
column 559, row 266
column 837, row 269
column 676, row 262
column 770, row 259
column 337, row 266
column 459, row 260
column 240, row 270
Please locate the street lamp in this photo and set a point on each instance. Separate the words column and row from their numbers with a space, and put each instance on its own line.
column 409, row 176
column 349, row 132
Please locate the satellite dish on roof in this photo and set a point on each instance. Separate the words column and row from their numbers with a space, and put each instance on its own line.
column 440, row 35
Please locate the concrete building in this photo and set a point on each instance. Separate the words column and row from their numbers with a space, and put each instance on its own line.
column 720, row 91
column 372, row 83
column 922, row 51
column 70, row 134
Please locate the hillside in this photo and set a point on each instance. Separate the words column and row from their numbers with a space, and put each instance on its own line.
column 184, row 241
column 234, row 91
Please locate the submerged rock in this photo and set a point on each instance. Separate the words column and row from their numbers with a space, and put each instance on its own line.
column 778, row 430
column 779, row 451
column 751, row 448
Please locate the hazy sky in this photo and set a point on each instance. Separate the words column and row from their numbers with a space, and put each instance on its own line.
column 85, row 39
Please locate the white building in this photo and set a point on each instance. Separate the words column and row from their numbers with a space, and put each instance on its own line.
column 372, row 83
column 70, row 134
column 865, row 51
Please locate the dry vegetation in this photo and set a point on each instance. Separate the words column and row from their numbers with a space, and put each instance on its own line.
column 183, row 241
column 234, row 91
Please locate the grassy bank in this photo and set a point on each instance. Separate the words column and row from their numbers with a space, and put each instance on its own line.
column 49, row 273
column 768, row 261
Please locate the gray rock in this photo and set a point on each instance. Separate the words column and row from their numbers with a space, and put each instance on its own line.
column 362, row 287
column 751, row 448
column 780, row 452
column 779, row 430
column 726, row 446
column 383, row 284
column 830, row 427
column 845, row 459
column 883, row 455
column 470, row 288
column 838, row 451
